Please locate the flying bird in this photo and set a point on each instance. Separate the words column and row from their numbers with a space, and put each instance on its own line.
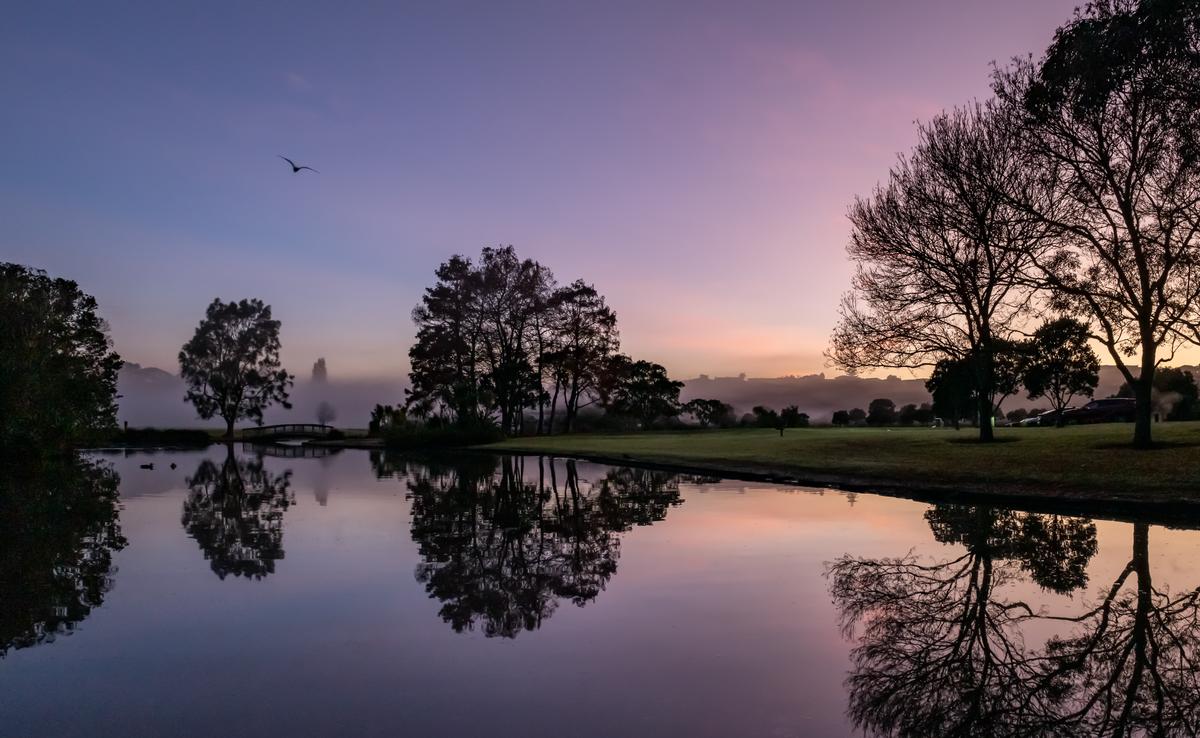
column 295, row 168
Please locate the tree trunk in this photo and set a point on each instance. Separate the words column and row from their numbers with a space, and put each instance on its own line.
column 229, row 428
column 986, row 432
column 1143, row 393
column 553, row 411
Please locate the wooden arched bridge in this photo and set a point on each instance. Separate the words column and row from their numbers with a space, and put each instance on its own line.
column 285, row 432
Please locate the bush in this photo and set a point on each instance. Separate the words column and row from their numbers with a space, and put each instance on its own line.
column 413, row 436
column 161, row 437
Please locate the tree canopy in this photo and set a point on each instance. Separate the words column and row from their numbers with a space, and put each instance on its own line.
column 231, row 365
column 58, row 372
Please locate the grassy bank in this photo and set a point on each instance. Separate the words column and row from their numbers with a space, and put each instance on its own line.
column 1080, row 462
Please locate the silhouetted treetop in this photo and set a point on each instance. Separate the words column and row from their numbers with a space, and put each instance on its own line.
column 58, row 372
column 231, row 364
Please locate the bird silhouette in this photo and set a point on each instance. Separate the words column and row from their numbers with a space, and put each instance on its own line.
column 295, row 168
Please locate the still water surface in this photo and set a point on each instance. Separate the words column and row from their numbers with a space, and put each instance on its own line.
column 365, row 594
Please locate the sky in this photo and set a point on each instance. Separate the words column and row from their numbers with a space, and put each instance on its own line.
column 694, row 160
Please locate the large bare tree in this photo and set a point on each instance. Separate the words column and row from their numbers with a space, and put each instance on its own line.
column 1108, row 126
column 940, row 256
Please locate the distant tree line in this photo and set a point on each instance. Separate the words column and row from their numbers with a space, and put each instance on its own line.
column 1072, row 193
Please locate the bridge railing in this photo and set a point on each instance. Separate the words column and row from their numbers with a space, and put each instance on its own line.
column 312, row 429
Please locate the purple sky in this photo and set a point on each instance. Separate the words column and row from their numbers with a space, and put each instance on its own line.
column 693, row 160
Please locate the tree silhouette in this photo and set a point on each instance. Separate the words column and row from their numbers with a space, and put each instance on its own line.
column 1107, row 121
column 1060, row 364
column 231, row 364
column 639, row 389
column 58, row 373
column 59, row 529
column 940, row 257
column 500, row 551
column 709, row 412
column 235, row 512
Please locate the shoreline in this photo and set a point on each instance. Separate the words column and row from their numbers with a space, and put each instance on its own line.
column 1059, row 501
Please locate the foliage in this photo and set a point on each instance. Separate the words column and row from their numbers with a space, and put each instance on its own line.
column 440, row 435
column 912, row 414
column 384, row 418
column 495, row 337
column 881, row 412
column 231, row 364
column 1175, row 391
column 641, row 390
column 320, row 372
column 841, row 418
column 1060, row 364
column 791, row 417
column 1107, row 120
column 58, row 373
column 765, row 417
column 709, row 412
column 161, row 437
column 939, row 256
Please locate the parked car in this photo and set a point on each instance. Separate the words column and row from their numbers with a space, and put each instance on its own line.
column 1108, row 410
column 1050, row 417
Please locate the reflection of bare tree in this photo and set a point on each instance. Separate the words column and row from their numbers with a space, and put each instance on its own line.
column 58, row 532
column 235, row 512
column 942, row 653
column 1132, row 666
column 939, row 652
column 501, row 552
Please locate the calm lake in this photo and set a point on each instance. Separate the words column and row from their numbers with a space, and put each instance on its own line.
column 371, row 594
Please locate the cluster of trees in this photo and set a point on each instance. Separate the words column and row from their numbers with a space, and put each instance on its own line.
column 1055, row 363
column 500, row 342
column 883, row 411
column 1072, row 192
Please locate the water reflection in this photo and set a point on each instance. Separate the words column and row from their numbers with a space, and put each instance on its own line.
column 942, row 646
column 235, row 512
column 59, row 529
column 502, row 545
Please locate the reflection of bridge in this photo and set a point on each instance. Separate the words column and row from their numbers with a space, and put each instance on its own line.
column 269, row 433
column 285, row 451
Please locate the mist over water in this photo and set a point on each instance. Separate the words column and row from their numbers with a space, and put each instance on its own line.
column 154, row 398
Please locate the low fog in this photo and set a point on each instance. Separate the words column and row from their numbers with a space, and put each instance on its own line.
column 154, row 398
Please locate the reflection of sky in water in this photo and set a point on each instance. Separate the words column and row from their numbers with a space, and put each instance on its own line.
column 716, row 621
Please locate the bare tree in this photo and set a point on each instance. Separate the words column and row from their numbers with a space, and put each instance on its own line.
column 1108, row 124
column 940, row 257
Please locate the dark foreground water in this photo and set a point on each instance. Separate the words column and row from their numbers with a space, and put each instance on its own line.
column 361, row 594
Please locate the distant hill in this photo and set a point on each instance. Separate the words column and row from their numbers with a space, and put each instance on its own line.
column 153, row 397
column 819, row 395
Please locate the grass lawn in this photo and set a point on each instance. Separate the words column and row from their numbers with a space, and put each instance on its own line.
column 1093, row 461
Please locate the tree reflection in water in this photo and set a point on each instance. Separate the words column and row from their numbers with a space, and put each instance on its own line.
column 59, row 529
column 502, row 545
column 235, row 512
column 941, row 647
